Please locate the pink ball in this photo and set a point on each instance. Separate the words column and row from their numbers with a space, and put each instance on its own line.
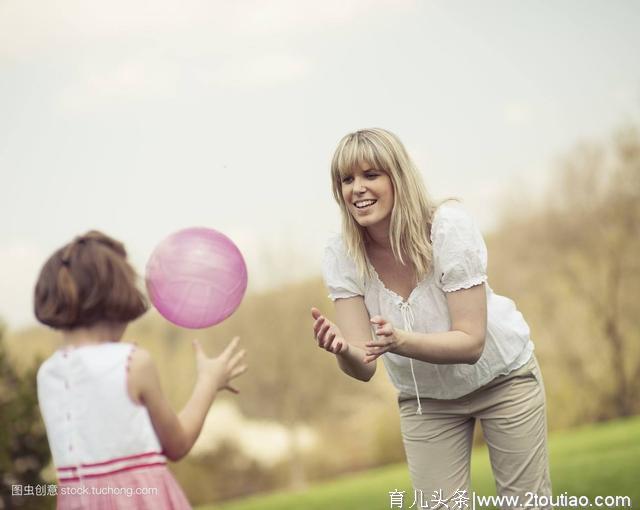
column 196, row 277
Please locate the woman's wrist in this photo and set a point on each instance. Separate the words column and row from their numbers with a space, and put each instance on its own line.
column 402, row 338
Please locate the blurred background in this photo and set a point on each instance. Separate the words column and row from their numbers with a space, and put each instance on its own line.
column 141, row 118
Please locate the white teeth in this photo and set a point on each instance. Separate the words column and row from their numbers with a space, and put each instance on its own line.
column 364, row 203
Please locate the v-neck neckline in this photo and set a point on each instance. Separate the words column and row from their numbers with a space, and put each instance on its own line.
column 397, row 297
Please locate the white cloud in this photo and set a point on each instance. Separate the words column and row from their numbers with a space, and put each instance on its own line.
column 133, row 78
column 20, row 263
column 274, row 69
column 253, row 69
column 28, row 28
column 518, row 114
column 283, row 256
column 232, row 43
column 150, row 77
column 626, row 96
column 259, row 17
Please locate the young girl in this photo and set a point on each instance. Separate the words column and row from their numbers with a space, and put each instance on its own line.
column 109, row 425
column 417, row 274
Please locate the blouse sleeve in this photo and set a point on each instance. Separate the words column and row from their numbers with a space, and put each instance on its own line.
column 339, row 272
column 459, row 251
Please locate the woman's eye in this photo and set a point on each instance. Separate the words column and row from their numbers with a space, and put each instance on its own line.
column 347, row 179
column 371, row 175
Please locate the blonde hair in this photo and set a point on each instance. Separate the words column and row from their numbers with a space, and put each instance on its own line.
column 413, row 209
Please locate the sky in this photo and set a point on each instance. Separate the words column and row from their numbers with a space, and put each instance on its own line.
column 142, row 118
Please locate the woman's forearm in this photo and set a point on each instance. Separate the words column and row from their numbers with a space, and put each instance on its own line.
column 450, row 347
column 351, row 363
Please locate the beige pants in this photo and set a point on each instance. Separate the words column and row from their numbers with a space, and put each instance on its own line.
column 511, row 409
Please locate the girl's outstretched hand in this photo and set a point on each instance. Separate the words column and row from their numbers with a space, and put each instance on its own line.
column 221, row 370
column 327, row 334
column 386, row 339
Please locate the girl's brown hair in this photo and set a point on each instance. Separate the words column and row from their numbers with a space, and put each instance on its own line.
column 86, row 282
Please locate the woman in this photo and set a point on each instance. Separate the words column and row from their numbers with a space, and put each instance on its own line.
column 456, row 352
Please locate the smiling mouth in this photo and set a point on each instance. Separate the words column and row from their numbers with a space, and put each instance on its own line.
column 363, row 204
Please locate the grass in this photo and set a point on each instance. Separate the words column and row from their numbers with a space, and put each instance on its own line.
column 596, row 460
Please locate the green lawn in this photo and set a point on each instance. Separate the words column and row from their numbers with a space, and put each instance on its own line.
column 598, row 460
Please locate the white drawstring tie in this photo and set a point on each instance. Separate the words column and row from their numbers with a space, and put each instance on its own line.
column 408, row 319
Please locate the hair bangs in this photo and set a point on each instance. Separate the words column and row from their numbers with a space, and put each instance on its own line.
column 353, row 153
column 413, row 208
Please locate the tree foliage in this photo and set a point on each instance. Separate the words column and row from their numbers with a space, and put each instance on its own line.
column 24, row 451
column 574, row 264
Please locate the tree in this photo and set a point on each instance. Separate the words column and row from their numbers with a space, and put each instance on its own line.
column 292, row 381
column 24, row 451
column 579, row 273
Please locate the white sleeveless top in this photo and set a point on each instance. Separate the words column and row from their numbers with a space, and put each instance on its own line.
column 459, row 262
column 93, row 426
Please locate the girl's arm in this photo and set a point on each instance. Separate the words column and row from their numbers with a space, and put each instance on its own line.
column 178, row 433
column 463, row 343
column 348, row 340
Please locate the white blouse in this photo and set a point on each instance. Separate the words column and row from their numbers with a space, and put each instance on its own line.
column 459, row 262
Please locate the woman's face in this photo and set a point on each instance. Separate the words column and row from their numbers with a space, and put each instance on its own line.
column 368, row 194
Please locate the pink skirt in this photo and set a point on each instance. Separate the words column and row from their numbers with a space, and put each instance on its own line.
column 148, row 488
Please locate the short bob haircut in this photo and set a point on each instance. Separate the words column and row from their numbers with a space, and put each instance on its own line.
column 413, row 208
column 86, row 282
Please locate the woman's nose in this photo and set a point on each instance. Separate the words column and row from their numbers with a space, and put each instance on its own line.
column 359, row 186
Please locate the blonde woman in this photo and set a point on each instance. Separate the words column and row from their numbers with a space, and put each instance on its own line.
column 408, row 279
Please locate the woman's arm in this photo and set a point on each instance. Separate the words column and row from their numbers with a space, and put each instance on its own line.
column 177, row 433
column 463, row 343
column 348, row 338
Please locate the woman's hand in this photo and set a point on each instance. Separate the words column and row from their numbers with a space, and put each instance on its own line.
column 327, row 334
column 221, row 370
column 386, row 339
